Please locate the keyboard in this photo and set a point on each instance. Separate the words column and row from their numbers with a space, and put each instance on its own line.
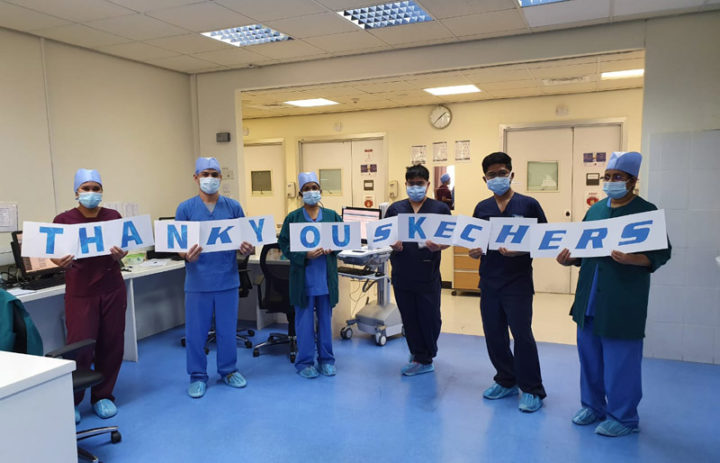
column 42, row 283
column 357, row 271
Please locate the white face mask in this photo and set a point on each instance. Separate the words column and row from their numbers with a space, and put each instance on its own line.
column 209, row 185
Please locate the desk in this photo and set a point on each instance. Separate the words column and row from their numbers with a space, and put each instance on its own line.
column 37, row 419
column 155, row 303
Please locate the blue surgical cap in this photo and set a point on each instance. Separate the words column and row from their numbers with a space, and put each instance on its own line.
column 307, row 177
column 206, row 163
column 628, row 162
column 86, row 175
column 445, row 178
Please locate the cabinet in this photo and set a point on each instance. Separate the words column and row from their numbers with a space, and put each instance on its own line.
column 465, row 272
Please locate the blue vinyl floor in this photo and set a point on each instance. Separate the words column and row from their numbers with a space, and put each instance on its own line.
column 369, row 412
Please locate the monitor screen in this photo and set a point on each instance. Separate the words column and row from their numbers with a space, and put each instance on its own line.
column 362, row 215
column 31, row 266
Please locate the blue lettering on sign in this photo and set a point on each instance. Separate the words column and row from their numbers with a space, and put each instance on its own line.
column 549, row 237
column 596, row 235
column 130, row 233
column 86, row 240
column 215, row 233
column 465, row 235
column 382, row 232
column 257, row 228
column 444, row 228
column 517, row 235
column 416, row 227
column 303, row 237
column 637, row 234
column 336, row 240
column 173, row 235
column 50, row 240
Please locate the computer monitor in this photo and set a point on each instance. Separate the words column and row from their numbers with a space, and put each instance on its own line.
column 31, row 267
column 362, row 215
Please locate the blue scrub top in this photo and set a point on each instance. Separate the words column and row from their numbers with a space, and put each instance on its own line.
column 316, row 269
column 213, row 271
column 415, row 268
column 508, row 273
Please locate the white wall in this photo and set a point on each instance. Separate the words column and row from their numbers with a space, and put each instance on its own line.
column 130, row 121
column 681, row 109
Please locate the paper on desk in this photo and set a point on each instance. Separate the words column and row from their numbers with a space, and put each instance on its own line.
column 20, row 292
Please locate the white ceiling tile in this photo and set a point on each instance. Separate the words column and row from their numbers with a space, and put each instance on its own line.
column 341, row 5
column 262, row 11
column 379, row 87
column 231, row 57
column 75, row 10
column 189, row 43
column 499, row 74
column 184, row 63
column 507, row 85
column 289, row 49
column 495, row 21
column 137, row 51
column 584, row 87
column 633, row 7
column 413, row 33
column 566, row 12
column 84, row 36
column 440, row 9
column 146, row 5
column 201, row 17
column 621, row 65
column 516, row 93
column 22, row 19
column 137, row 27
column 349, row 41
column 313, row 25
column 563, row 71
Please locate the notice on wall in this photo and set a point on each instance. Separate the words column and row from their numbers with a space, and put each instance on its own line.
column 418, row 154
column 440, row 151
column 462, row 150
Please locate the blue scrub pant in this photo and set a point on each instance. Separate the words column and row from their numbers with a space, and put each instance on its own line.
column 199, row 309
column 500, row 310
column 610, row 368
column 420, row 313
column 305, row 331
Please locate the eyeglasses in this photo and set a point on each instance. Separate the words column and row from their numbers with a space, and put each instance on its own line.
column 616, row 178
column 497, row 173
column 213, row 174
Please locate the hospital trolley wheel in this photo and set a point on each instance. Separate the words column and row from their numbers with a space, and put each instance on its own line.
column 380, row 339
column 251, row 333
column 256, row 353
column 346, row 333
column 248, row 344
column 182, row 342
column 115, row 437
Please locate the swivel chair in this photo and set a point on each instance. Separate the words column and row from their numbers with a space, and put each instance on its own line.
column 276, row 297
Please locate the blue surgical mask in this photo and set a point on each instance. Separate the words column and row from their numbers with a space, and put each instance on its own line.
column 615, row 190
column 416, row 193
column 90, row 200
column 499, row 185
column 209, row 185
column 311, row 197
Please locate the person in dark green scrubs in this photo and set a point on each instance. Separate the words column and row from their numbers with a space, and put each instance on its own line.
column 610, row 310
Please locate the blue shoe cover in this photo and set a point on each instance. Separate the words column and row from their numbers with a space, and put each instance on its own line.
column 235, row 379
column 418, row 369
column 105, row 408
column 529, row 403
column 585, row 416
column 197, row 389
column 328, row 369
column 309, row 372
column 497, row 391
column 612, row 428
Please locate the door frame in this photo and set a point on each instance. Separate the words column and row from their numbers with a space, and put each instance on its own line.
column 570, row 124
column 283, row 174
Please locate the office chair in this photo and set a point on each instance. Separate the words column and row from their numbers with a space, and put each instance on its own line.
column 276, row 297
column 83, row 379
column 241, row 334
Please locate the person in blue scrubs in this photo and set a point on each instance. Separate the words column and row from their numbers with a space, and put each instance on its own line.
column 506, row 285
column 313, row 284
column 610, row 310
column 416, row 276
column 211, row 283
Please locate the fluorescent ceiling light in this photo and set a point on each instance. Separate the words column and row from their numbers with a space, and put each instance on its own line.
column 311, row 102
column 524, row 3
column 247, row 35
column 453, row 90
column 386, row 15
column 622, row 74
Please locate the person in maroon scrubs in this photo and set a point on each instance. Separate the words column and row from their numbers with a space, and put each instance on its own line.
column 95, row 297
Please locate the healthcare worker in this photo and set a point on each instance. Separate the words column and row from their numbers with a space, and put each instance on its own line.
column 211, row 283
column 443, row 193
column 95, row 297
column 610, row 310
column 416, row 276
column 313, row 284
column 506, row 285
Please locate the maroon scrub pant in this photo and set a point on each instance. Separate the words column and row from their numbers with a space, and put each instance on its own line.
column 101, row 318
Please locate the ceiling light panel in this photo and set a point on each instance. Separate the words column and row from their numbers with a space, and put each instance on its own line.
column 386, row 15
column 247, row 35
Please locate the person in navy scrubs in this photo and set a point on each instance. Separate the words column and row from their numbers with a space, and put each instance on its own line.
column 416, row 276
column 506, row 285
column 211, row 283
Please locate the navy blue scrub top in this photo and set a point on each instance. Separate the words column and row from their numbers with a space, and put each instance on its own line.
column 213, row 271
column 316, row 269
column 415, row 268
column 508, row 273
